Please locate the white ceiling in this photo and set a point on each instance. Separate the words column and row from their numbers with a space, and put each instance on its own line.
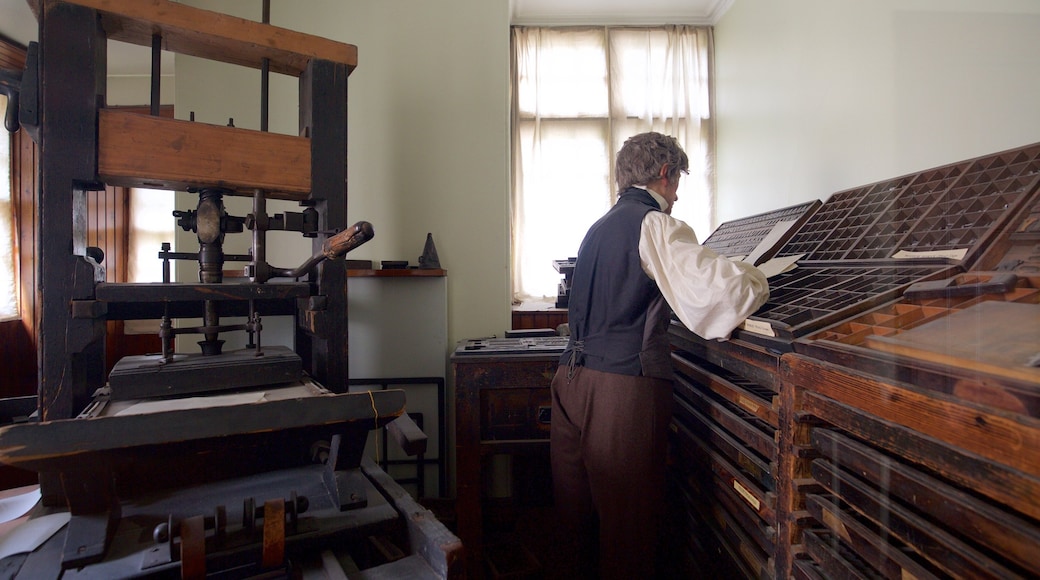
column 18, row 23
column 562, row 12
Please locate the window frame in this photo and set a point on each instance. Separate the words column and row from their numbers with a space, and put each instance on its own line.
column 691, row 121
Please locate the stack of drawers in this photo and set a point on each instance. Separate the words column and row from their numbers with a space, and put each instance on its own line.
column 808, row 428
column 915, row 482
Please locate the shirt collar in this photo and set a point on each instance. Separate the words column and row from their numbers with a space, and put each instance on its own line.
column 661, row 202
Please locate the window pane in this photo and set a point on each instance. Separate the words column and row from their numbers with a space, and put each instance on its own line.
column 566, row 188
column 8, row 288
column 575, row 105
column 151, row 224
column 562, row 73
column 659, row 75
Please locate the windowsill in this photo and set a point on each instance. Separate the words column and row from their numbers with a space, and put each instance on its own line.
column 536, row 306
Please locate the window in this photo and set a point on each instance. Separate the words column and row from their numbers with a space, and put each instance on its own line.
column 578, row 93
column 8, row 285
column 151, row 224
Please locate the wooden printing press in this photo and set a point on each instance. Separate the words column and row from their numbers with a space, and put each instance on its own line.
column 237, row 464
column 879, row 416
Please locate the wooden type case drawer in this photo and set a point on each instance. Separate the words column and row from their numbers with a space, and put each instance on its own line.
column 715, row 515
column 695, row 386
column 748, row 395
column 520, row 413
column 832, row 555
column 1018, row 249
column 723, row 434
column 856, row 343
column 744, row 237
column 945, row 481
column 737, row 468
column 737, row 358
column 703, row 474
column 865, row 245
column 695, row 538
column 961, row 207
column 936, row 526
column 749, row 430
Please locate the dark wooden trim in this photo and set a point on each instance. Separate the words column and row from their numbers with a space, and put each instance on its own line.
column 530, row 319
column 212, row 35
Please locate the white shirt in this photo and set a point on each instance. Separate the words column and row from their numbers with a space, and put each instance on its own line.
column 709, row 293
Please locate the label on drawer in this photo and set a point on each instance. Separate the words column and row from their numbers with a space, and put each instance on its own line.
column 747, row 404
column 747, row 495
column 758, row 327
column 952, row 254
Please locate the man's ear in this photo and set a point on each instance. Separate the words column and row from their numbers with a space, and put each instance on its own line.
column 664, row 172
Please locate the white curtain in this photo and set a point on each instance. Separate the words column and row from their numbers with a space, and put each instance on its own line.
column 578, row 93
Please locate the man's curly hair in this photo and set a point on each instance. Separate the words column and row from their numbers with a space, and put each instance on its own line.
column 640, row 160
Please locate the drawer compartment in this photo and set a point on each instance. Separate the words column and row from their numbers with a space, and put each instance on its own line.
column 518, row 413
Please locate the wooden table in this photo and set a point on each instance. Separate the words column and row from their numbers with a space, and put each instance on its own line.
column 502, row 406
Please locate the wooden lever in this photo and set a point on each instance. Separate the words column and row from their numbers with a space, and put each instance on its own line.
column 338, row 245
column 407, row 434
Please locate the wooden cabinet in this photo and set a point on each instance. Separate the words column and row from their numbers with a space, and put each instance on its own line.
column 548, row 318
column 502, row 408
column 736, row 441
column 914, row 481
column 879, row 416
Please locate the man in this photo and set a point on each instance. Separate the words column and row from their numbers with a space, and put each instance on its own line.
column 612, row 394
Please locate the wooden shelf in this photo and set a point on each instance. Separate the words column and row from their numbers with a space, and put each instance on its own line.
column 398, row 273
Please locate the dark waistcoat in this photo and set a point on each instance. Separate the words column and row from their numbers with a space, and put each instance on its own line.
column 617, row 315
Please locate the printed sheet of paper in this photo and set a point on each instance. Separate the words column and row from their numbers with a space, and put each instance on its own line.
column 774, row 235
column 778, row 266
column 19, row 502
column 31, row 534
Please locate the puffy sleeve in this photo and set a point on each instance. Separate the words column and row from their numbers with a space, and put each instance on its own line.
column 709, row 293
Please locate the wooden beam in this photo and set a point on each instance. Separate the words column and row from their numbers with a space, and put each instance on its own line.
column 212, row 35
column 137, row 150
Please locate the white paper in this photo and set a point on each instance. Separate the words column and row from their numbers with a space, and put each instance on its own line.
column 952, row 254
column 16, row 506
column 778, row 266
column 31, row 534
column 774, row 235
column 192, row 403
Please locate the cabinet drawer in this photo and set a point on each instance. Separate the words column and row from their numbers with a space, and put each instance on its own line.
column 515, row 413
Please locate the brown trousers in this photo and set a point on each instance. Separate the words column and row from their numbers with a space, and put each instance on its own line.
column 608, row 445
